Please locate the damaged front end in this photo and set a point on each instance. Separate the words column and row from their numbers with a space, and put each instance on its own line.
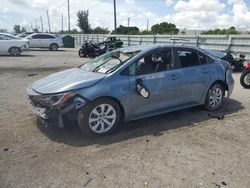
column 52, row 109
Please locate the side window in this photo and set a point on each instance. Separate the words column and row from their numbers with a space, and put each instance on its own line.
column 157, row 61
column 36, row 36
column 6, row 37
column 48, row 37
column 188, row 58
column 203, row 58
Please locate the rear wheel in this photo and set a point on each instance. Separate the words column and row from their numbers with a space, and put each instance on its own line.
column 214, row 97
column 82, row 53
column 14, row 51
column 100, row 117
column 245, row 79
column 53, row 47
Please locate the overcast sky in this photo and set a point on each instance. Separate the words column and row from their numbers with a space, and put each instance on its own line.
column 188, row 14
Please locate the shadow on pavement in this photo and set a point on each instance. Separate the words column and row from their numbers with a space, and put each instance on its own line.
column 155, row 126
column 22, row 55
column 46, row 49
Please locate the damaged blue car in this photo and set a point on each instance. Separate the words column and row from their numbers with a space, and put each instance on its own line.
column 132, row 83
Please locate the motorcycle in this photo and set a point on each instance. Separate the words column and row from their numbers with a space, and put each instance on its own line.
column 90, row 49
column 245, row 76
column 237, row 64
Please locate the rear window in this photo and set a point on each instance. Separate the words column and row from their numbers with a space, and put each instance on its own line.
column 189, row 58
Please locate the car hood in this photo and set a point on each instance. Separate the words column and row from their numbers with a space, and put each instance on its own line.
column 67, row 80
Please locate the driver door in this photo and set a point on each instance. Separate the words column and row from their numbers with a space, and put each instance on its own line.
column 160, row 77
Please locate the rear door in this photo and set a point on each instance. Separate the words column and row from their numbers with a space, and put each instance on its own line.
column 4, row 44
column 46, row 40
column 196, row 74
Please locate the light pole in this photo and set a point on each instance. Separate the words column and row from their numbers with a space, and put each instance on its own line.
column 114, row 15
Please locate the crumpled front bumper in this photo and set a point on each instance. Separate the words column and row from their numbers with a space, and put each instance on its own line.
column 53, row 115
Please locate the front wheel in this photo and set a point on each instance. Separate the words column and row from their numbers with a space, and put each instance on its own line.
column 14, row 51
column 100, row 117
column 214, row 97
column 245, row 79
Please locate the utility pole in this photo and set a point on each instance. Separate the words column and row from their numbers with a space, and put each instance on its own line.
column 36, row 25
column 62, row 21
column 68, row 17
column 115, row 15
column 147, row 24
column 48, row 20
column 128, row 23
column 41, row 23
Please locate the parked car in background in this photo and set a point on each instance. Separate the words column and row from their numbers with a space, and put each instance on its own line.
column 45, row 40
column 132, row 83
column 112, row 41
column 24, row 34
column 12, row 45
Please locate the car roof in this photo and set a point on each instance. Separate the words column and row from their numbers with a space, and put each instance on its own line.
column 146, row 48
column 8, row 34
column 41, row 34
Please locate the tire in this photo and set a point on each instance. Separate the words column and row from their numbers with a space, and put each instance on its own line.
column 245, row 79
column 53, row 47
column 214, row 98
column 94, row 120
column 15, row 51
column 81, row 53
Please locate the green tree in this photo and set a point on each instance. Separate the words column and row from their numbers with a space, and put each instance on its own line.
column 127, row 30
column 35, row 30
column 23, row 30
column 17, row 28
column 164, row 28
column 146, row 32
column 230, row 30
column 99, row 30
column 83, row 21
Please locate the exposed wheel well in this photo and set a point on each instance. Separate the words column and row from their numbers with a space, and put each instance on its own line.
column 223, row 84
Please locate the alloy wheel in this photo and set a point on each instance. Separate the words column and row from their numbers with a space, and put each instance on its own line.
column 215, row 97
column 247, row 79
column 102, row 118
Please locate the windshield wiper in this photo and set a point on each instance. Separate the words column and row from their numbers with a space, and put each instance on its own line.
column 113, row 68
column 95, row 69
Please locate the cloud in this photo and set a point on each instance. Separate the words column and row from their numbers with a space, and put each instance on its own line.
column 169, row 2
column 201, row 6
column 190, row 14
column 130, row 1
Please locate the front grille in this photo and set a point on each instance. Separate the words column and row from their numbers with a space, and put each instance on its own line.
column 36, row 101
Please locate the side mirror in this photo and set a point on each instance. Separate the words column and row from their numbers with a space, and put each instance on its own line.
column 142, row 90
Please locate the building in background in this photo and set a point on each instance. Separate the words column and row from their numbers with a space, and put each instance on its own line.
column 3, row 31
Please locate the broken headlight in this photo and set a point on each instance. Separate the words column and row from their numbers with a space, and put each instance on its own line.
column 56, row 100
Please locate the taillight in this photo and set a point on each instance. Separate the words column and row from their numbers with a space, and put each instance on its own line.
column 247, row 65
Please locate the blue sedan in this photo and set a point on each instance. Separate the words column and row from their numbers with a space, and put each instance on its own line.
column 132, row 83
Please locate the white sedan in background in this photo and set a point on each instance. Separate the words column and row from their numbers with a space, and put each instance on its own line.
column 12, row 45
column 45, row 40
